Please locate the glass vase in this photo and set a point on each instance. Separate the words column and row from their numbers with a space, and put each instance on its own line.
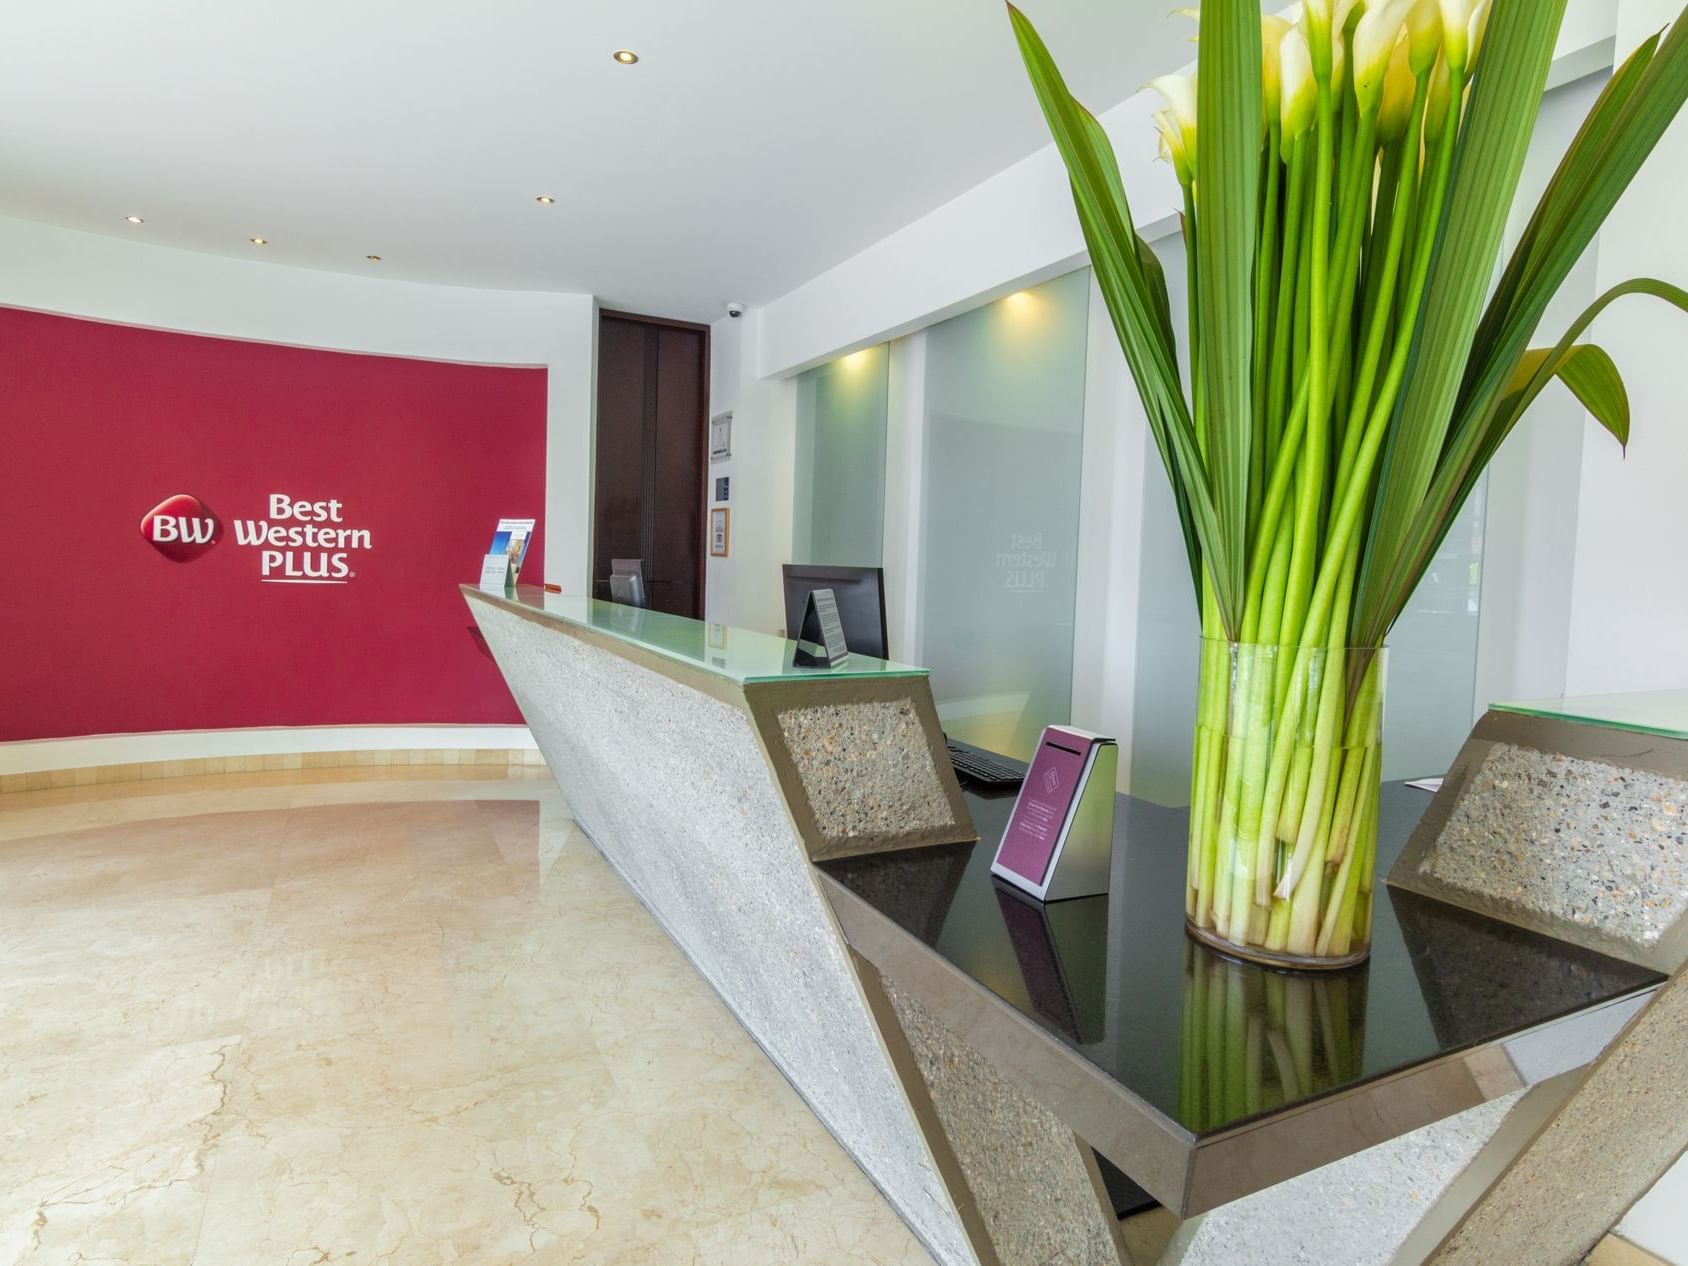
column 1283, row 802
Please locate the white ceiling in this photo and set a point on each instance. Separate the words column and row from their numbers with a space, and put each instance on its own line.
column 757, row 142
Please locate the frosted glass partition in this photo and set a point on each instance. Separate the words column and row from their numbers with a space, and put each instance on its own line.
column 999, row 529
column 838, row 507
column 1427, row 702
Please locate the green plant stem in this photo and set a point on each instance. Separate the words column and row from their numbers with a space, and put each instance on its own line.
column 1265, row 286
column 1297, row 172
column 1376, row 323
column 1211, row 710
column 1348, row 507
column 1198, row 396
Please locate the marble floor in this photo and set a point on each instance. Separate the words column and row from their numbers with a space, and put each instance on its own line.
column 377, row 1017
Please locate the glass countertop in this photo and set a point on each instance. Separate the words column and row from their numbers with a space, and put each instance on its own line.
column 1209, row 1041
column 1661, row 712
column 740, row 655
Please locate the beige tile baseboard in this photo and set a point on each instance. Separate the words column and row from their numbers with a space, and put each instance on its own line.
column 146, row 771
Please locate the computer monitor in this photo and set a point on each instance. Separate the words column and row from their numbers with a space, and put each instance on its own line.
column 860, row 592
column 627, row 582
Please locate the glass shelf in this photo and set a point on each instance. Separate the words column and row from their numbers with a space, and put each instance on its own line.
column 1661, row 712
column 740, row 655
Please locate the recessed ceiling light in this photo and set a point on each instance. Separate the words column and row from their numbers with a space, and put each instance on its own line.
column 544, row 199
column 259, row 241
column 134, row 219
column 625, row 56
column 374, row 259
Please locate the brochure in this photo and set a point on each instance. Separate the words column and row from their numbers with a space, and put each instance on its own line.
column 511, row 540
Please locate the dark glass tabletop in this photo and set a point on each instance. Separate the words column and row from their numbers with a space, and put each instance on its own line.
column 1209, row 1041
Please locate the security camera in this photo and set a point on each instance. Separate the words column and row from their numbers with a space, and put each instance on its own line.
column 735, row 309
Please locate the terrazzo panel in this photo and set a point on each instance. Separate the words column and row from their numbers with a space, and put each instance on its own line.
column 866, row 770
column 1358, row 1211
column 1582, row 842
column 672, row 786
column 1605, row 1148
column 1021, row 1162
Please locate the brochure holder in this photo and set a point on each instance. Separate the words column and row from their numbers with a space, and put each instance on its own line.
column 1060, row 838
column 502, row 564
column 823, row 629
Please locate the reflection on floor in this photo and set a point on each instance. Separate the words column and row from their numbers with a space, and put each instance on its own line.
column 339, row 1016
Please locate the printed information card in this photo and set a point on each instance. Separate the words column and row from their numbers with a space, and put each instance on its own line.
column 1060, row 835
column 1046, row 800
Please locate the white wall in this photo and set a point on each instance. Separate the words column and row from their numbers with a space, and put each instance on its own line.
column 744, row 588
column 1629, row 605
column 108, row 279
column 720, row 575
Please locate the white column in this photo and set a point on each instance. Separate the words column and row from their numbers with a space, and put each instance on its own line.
column 905, row 484
column 570, row 410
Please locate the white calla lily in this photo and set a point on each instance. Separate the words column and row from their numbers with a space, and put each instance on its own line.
column 1475, row 30
column 1173, row 147
column 1394, row 112
column 1462, row 26
column 1424, row 35
column 1272, row 32
column 1374, row 44
column 1180, row 94
column 1436, row 111
column 1298, row 93
column 1316, row 30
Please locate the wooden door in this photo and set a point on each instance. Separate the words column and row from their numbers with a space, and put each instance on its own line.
column 652, row 441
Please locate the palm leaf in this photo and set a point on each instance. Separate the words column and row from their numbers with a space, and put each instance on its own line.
column 1593, row 373
column 1620, row 131
column 1137, row 308
column 1625, row 124
column 1228, row 96
column 1496, row 134
column 1592, row 376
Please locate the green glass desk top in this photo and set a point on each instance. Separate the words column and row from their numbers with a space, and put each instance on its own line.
column 740, row 655
column 1662, row 712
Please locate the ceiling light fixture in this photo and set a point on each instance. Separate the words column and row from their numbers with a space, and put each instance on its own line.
column 544, row 199
column 259, row 241
column 374, row 259
column 134, row 219
column 625, row 56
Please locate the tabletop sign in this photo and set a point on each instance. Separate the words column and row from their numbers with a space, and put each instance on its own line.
column 1060, row 836
column 497, row 576
column 821, row 626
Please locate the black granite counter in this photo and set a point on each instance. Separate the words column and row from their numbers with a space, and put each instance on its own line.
column 1202, row 1047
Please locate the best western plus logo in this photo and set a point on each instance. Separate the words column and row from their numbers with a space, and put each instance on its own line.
column 181, row 528
column 299, row 543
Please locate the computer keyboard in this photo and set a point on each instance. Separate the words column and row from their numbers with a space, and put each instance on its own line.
column 986, row 769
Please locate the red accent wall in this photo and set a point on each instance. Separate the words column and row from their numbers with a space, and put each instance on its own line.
column 100, row 632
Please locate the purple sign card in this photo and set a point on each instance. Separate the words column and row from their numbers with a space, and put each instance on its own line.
column 1046, row 799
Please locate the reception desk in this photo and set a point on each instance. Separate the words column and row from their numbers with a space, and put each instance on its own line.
column 801, row 835
column 711, row 773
